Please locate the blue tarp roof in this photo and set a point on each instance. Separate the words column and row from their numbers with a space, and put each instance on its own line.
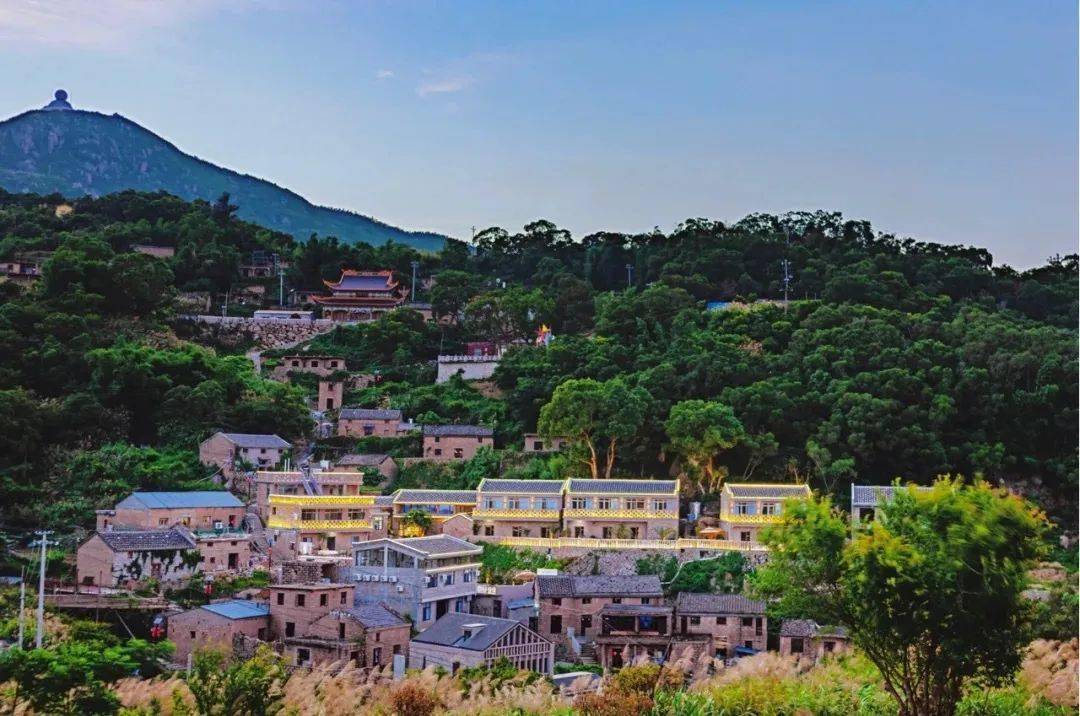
column 238, row 609
column 174, row 500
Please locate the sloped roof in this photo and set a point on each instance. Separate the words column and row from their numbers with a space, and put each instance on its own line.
column 363, row 281
column 807, row 628
column 873, row 495
column 238, row 609
column 369, row 414
column 430, row 546
column 179, row 500
column 373, row 616
column 535, row 487
column 249, row 440
column 601, row 585
column 146, row 540
column 635, row 487
column 368, row 460
column 778, row 491
column 458, row 431
column 691, row 603
column 449, row 631
column 420, row 497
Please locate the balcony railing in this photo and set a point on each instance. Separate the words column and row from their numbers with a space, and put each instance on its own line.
column 749, row 519
column 505, row 514
column 288, row 523
column 314, row 501
column 594, row 513
column 596, row 543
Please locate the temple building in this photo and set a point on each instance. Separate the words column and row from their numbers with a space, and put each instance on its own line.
column 361, row 296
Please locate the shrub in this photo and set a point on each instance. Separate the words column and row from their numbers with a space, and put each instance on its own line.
column 412, row 699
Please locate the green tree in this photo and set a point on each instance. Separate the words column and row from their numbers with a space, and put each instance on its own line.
column 595, row 416
column 698, row 431
column 419, row 519
column 931, row 592
column 224, row 687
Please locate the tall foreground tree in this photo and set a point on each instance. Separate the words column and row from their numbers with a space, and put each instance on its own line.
column 698, row 431
column 595, row 416
column 931, row 591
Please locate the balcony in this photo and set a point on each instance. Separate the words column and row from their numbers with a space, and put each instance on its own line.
column 597, row 514
column 315, row 501
column 597, row 543
column 506, row 514
column 749, row 519
column 317, row 525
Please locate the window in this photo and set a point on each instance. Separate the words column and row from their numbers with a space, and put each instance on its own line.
column 314, row 364
column 192, row 635
column 757, row 626
column 303, row 656
column 830, row 646
column 377, row 523
column 458, row 452
column 586, row 600
column 695, row 621
column 538, row 444
column 343, row 596
column 545, row 532
column 743, row 508
column 426, row 612
column 744, row 536
column 369, row 429
column 556, row 601
column 333, row 364
column 635, row 504
column 556, row 624
column 796, row 646
column 579, row 532
column 578, row 503
column 467, row 576
column 721, row 621
column 660, row 505
column 459, row 605
column 604, row 503
column 296, row 364
column 616, row 600
column 635, row 533
column 376, row 656
column 514, row 503
column 300, row 599
column 549, row 504
column 356, row 514
column 748, row 644
column 519, row 532
column 341, row 630
column 747, row 621
column 645, row 600
column 281, row 598
column 489, row 530
column 586, row 622
column 324, row 599
column 290, row 629
column 491, row 504
column 606, row 532
column 770, row 508
column 163, row 521
column 397, row 648
column 438, row 451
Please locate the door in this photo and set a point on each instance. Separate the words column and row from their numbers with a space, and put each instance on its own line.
column 441, row 607
column 234, row 560
column 683, row 630
column 331, row 543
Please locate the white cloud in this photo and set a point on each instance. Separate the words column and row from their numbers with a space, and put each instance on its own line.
column 108, row 25
column 384, row 75
column 446, row 85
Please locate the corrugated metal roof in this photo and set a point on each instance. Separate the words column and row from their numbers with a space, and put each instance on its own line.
column 179, row 500
column 238, row 609
column 634, row 487
column 248, row 440
column 534, row 487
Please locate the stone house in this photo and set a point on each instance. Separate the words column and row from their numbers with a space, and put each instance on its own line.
column 630, row 631
column 455, row 442
column 214, row 625
column 123, row 558
column 422, row 578
column 806, row 639
column 228, row 450
column 367, row 635
column 385, row 464
column 465, row 640
column 747, row 508
column 622, row 509
column 866, row 499
column 573, row 604
column 367, row 422
column 295, row 606
column 737, row 625
column 518, row 508
column 198, row 510
column 331, row 395
column 320, row 365
column 536, row 443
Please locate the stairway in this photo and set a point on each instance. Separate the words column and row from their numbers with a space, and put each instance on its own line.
column 588, row 653
column 259, row 541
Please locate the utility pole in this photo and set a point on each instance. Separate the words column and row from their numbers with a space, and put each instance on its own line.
column 629, row 274
column 415, row 265
column 281, row 281
column 22, row 607
column 785, row 265
column 44, row 534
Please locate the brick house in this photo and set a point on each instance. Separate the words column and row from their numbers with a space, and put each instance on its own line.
column 366, row 422
column 214, row 625
column 202, row 510
column 806, row 639
column 456, row 442
column 123, row 558
column 747, row 508
column 465, row 640
column 736, row 624
column 358, row 463
column 630, row 631
column 573, row 603
column 518, row 508
column 422, row 578
column 294, row 607
column 622, row 509
column 331, row 395
column 367, row 635
column 227, row 450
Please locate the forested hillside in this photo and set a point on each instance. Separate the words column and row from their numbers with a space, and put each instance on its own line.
column 894, row 358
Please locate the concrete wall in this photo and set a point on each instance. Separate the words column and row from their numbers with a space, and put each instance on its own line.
column 469, row 367
column 98, row 564
column 201, row 518
column 200, row 629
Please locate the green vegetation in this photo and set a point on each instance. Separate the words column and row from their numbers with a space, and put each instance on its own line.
column 721, row 575
column 499, row 564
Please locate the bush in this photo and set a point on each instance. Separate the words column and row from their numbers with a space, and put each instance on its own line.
column 412, row 699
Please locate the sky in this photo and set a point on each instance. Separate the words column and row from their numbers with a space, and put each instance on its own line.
column 953, row 122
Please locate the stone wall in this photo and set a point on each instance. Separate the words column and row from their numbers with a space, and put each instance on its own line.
column 263, row 333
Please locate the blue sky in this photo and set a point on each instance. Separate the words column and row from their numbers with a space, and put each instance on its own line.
column 947, row 121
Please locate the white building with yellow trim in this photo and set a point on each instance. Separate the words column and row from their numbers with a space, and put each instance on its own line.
column 747, row 508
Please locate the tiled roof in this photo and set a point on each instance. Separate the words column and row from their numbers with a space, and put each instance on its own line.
column 384, row 500
column 369, row 414
column 238, row 609
column 535, row 487
column 691, row 603
column 420, row 497
column 179, row 500
column 654, row 610
column 807, row 628
column 449, row 630
column 146, row 540
column 370, row 460
column 599, row 586
column 458, row 431
column 374, row 616
column 873, row 495
column 779, row 491
column 436, row 545
column 635, row 487
column 247, row 440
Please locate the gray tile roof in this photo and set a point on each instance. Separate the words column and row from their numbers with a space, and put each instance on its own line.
column 690, row 603
column 778, row 491
column 146, row 540
column 599, row 586
column 421, row 497
column 807, row 628
column 449, row 630
column 384, row 500
column 370, row 460
column 873, row 495
column 369, row 414
column 373, row 616
column 458, row 431
column 635, row 487
column 534, row 487
column 248, row 440
column 178, row 500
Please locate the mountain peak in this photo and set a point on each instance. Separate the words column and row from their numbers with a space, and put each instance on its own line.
column 60, row 101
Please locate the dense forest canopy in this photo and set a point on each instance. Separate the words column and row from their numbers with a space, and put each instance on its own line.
column 894, row 358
